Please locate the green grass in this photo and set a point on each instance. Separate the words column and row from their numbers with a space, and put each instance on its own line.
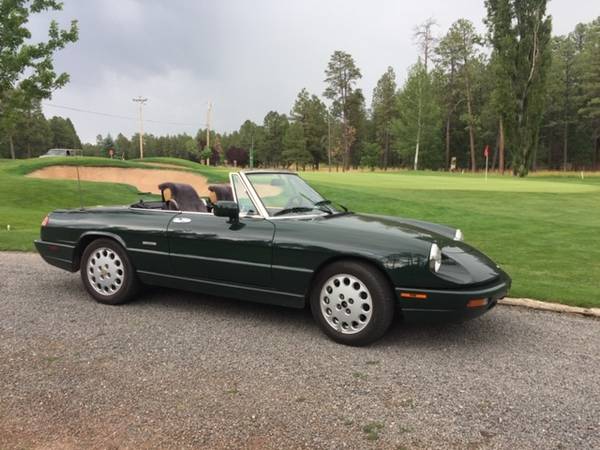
column 372, row 430
column 360, row 375
column 25, row 201
column 543, row 230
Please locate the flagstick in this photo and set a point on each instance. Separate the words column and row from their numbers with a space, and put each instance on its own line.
column 486, row 167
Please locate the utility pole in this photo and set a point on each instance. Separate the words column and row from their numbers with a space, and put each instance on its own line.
column 252, row 151
column 208, row 113
column 141, row 101
column 329, row 140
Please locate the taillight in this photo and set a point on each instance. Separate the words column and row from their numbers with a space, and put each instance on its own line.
column 45, row 221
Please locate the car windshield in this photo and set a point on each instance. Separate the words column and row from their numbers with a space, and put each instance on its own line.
column 284, row 194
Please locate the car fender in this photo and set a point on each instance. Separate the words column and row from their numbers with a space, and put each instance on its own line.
column 89, row 236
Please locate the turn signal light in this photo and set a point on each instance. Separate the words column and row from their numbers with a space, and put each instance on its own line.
column 477, row 302
column 45, row 221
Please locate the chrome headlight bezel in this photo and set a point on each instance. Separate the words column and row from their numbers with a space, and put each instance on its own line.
column 435, row 258
column 458, row 235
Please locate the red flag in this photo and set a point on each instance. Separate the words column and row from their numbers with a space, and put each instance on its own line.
column 486, row 151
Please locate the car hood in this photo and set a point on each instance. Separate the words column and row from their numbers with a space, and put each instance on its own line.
column 389, row 227
column 462, row 264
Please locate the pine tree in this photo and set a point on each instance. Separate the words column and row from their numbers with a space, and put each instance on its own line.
column 270, row 146
column 519, row 31
column 294, row 146
column 590, row 111
column 32, row 136
column 458, row 52
column 384, row 108
column 311, row 112
column 341, row 77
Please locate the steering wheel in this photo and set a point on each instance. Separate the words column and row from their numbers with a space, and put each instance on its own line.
column 294, row 202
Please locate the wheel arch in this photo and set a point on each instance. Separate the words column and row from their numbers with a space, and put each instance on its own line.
column 346, row 257
column 90, row 236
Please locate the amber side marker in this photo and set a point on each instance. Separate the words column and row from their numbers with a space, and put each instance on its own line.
column 477, row 302
column 413, row 295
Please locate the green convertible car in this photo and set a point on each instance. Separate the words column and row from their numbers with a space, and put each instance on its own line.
column 267, row 236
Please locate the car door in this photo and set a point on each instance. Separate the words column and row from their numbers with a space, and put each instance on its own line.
column 206, row 247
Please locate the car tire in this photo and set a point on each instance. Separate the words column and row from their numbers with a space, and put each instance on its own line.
column 352, row 302
column 107, row 272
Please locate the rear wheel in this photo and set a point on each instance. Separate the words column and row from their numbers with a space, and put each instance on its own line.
column 107, row 272
column 352, row 302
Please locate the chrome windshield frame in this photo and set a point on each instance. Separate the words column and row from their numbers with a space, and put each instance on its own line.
column 261, row 211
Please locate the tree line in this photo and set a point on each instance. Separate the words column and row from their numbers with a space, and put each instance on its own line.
column 531, row 98
column 34, row 134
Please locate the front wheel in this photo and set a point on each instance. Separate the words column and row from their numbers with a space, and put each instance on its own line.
column 352, row 302
column 107, row 272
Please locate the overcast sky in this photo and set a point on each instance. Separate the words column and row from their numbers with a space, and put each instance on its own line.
column 247, row 57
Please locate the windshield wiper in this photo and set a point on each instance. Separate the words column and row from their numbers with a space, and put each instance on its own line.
column 317, row 205
column 323, row 205
column 327, row 203
column 293, row 210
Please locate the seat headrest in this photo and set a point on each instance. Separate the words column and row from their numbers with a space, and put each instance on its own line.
column 184, row 194
column 222, row 191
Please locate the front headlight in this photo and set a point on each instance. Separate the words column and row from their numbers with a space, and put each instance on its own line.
column 458, row 235
column 435, row 258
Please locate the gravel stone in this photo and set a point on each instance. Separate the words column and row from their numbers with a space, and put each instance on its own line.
column 180, row 370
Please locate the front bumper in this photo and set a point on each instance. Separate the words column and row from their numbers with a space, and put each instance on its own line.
column 449, row 305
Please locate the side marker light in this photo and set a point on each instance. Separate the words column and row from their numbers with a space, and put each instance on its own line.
column 477, row 302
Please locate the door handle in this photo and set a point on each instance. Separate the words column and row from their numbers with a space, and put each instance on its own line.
column 182, row 220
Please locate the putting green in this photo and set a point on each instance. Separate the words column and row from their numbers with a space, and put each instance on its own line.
column 449, row 182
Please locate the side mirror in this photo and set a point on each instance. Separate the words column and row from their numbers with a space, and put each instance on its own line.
column 229, row 209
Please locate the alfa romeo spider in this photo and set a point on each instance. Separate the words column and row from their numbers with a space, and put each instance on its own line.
column 268, row 237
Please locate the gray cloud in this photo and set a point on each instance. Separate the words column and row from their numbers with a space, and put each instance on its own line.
column 248, row 57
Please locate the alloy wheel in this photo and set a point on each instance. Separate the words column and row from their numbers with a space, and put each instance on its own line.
column 346, row 303
column 105, row 271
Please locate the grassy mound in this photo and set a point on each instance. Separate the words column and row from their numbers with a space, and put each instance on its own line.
column 27, row 200
column 23, row 167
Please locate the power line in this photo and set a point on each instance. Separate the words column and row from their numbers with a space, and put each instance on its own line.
column 116, row 116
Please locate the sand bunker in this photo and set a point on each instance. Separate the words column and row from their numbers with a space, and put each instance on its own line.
column 145, row 180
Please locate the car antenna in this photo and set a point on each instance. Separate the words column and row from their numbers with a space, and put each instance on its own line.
column 79, row 188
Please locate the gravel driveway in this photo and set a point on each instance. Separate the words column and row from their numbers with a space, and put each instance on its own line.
column 180, row 370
